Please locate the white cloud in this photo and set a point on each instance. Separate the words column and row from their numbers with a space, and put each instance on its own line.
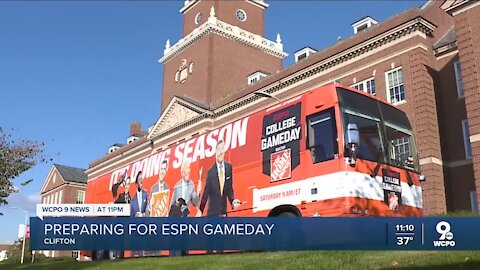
column 34, row 198
column 23, row 201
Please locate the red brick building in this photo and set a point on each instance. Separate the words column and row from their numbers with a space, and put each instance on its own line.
column 425, row 61
column 63, row 184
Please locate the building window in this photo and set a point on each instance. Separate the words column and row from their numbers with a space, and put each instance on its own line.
column 362, row 27
column 466, row 139
column 395, row 88
column 363, row 24
column 80, row 196
column 401, row 147
column 198, row 18
column 304, row 53
column 322, row 137
column 131, row 139
column 459, row 79
column 255, row 77
column 367, row 86
column 241, row 15
column 302, row 56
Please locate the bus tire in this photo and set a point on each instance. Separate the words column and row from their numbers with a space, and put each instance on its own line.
column 100, row 254
column 282, row 241
column 112, row 254
column 287, row 214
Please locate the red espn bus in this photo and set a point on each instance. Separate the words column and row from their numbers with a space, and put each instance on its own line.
column 332, row 151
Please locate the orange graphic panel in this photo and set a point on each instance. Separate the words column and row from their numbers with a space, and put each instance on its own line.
column 160, row 203
column 281, row 165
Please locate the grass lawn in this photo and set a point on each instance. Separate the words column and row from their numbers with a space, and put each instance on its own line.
column 431, row 260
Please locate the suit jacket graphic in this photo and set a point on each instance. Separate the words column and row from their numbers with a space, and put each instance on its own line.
column 217, row 202
column 191, row 197
column 134, row 207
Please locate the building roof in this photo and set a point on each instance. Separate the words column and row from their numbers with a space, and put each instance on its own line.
column 193, row 101
column 6, row 247
column 448, row 38
column 410, row 15
column 259, row 71
column 118, row 145
column 72, row 174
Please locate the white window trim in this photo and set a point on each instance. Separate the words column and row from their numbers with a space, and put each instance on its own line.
column 198, row 18
column 132, row 139
column 357, row 28
column 254, row 78
column 364, row 82
column 244, row 13
column 465, row 145
column 457, row 66
column 401, row 102
column 388, row 86
column 307, row 51
column 83, row 196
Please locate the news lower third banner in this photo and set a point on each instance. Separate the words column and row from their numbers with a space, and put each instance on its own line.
column 319, row 233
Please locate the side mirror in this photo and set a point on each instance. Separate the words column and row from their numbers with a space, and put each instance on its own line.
column 352, row 141
column 353, row 136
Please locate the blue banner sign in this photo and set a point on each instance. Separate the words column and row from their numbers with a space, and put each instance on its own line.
column 76, row 233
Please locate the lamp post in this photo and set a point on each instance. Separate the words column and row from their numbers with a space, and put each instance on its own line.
column 266, row 95
column 24, row 232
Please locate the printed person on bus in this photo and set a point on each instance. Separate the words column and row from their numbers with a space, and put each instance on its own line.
column 138, row 205
column 219, row 186
column 393, row 201
column 185, row 189
column 125, row 196
column 160, row 208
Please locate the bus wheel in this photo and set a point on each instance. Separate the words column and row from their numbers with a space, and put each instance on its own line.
column 112, row 254
column 100, row 254
column 287, row 214
column 282, row 241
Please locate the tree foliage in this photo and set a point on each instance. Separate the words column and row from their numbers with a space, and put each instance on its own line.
column 16, row 157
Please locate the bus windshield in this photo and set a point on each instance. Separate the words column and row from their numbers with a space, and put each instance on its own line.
column 385, row 132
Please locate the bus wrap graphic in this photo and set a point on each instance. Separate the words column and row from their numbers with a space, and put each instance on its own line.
column 281, row 135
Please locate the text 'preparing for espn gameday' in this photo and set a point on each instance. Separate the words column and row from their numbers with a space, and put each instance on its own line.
column 166, row 229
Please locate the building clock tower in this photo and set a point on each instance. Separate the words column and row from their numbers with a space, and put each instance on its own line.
column 222, row 44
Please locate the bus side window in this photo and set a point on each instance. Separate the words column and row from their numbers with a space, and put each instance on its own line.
column 322, row 136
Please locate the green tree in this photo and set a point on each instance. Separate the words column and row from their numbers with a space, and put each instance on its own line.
column 16, row 157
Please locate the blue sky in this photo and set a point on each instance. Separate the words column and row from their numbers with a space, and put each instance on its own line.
column 75, row 74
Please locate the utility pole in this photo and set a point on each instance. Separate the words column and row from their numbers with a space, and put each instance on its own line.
column 24, row 231
column 24, row 236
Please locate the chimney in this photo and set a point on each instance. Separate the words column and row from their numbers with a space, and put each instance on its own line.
column 135, row 129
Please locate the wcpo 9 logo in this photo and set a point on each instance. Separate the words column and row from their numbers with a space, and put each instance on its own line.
column 446, row 235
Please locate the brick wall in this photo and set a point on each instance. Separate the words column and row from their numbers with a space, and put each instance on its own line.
column 467, row 27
